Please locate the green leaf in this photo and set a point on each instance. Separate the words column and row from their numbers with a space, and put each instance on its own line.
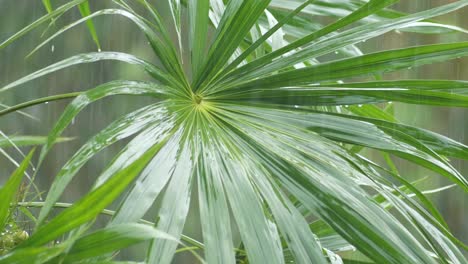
column 265, row 36
column 10, row 189
column 432, row 28
column 47, row 5
column 175, row 7
column 88, row 58
column 27, row 141
column 439, row 143
column 146, row 189
column 167, row 53
column 58, row 11
column 175, row 204
column 198, row 28
column 36, row 255
column 388, row 139
column 174, row 209
column 329, row 44
column 88, row 207
column 326, row 190
column 374, row 63
column 260, row 130
column 452, row 86
column 372, row 111
column 85, row 11
column 303, row 169
column 435, row 218
column 111, row 239
column 119, row 129
column 104, row 90
column 365, row 10
column 342, row 95
column 236, row 22
column 258, row 233
column 301, row 242
column 214, row 210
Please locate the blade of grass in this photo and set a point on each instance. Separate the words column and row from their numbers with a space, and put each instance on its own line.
column 88, row 207
column 10, row 189
column 60, row 10
column 86, row 11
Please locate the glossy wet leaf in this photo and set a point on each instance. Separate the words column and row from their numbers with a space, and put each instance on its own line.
column 375, row 63
column 44, row 19
column 299, row 177
column 214, row 211
column 88, row 58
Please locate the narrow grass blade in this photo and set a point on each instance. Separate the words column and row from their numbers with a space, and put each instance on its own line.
column 265, row 36
column 237, row 20
column 47, row 5
column 10, row 189
column 88, row 207
column 175, row 6
column 88, row 58
column 31, row 255
column 86, row 11
column 273, row 62
column 342, row 95
column 111, row 239
column 27, row 141
column 374, row 63
column 58, row 11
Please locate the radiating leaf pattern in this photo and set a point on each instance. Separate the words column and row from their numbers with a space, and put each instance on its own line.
column 261, row 130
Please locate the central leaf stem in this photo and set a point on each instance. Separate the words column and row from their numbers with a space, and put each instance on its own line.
column 197, row 99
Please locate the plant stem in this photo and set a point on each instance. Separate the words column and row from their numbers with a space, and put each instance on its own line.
column 39, row 101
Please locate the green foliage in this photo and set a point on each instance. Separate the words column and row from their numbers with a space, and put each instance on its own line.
column 10, row 235
column 263, row 114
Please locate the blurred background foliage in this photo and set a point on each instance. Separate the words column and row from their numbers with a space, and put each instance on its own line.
column 118, row 34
